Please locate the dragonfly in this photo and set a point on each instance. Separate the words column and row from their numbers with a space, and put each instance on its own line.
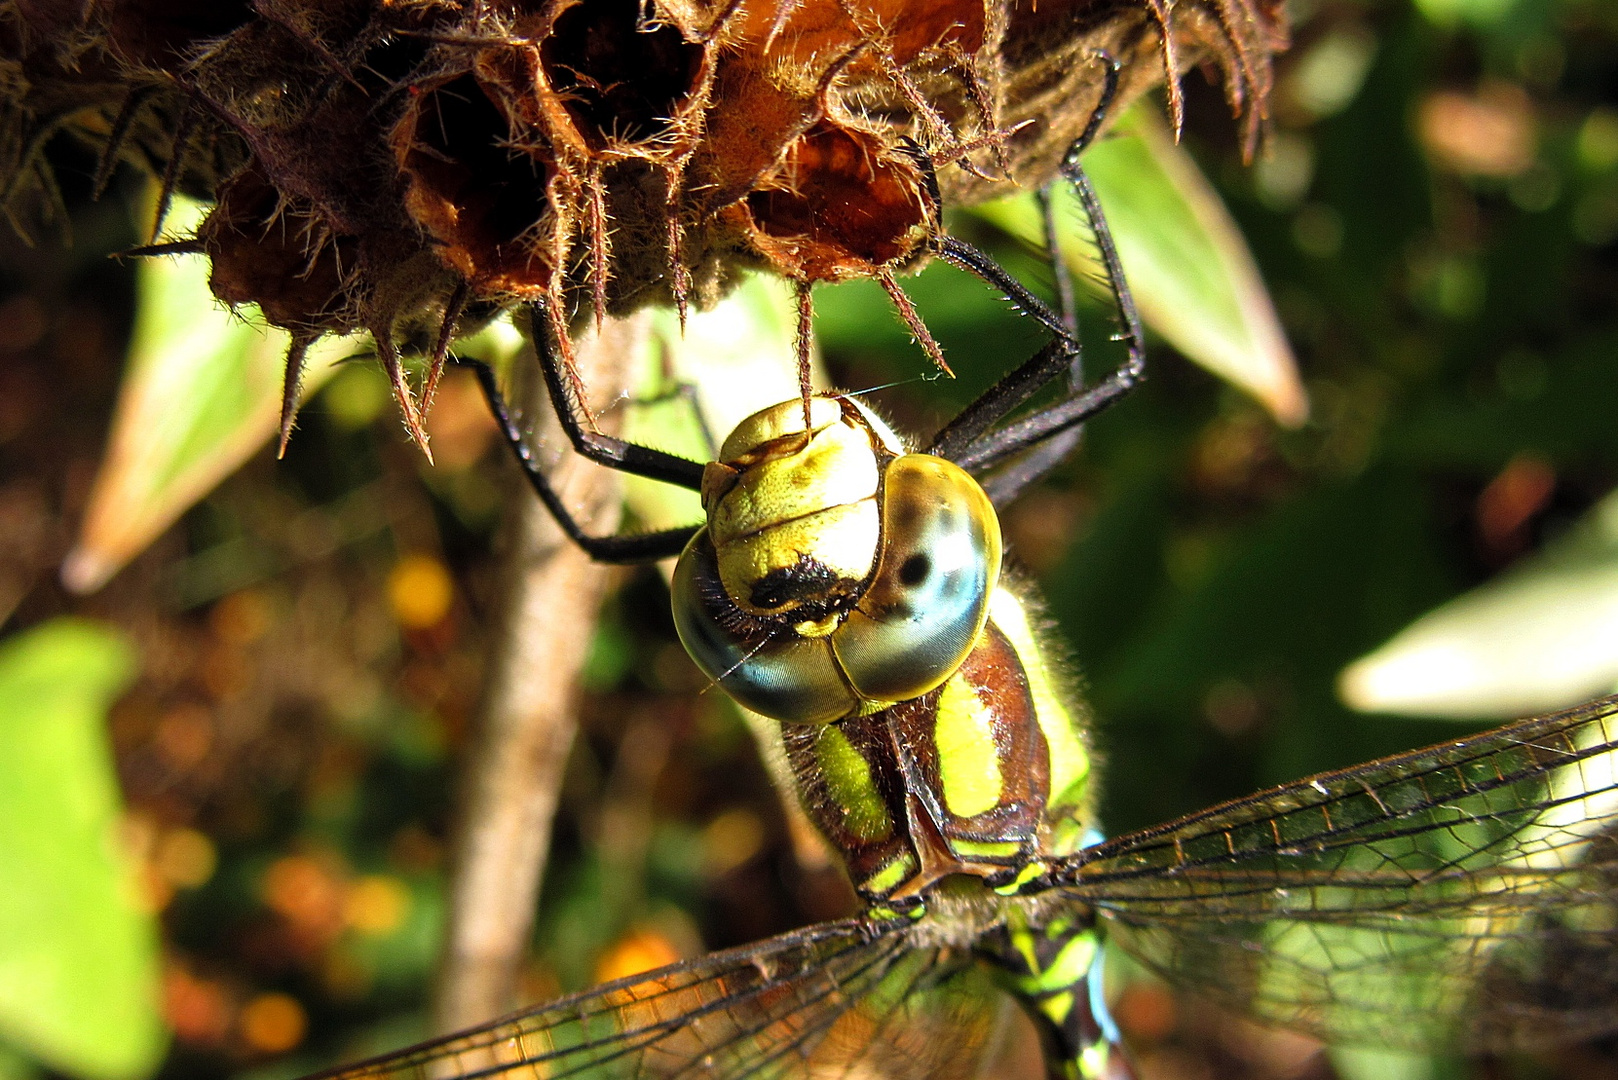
column 851, row 587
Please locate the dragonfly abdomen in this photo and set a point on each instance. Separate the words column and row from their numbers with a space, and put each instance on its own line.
column 1049, row 968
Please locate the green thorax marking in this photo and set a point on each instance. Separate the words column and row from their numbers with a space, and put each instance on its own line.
column 1062, row 722
column 964, row 737
column 851, row 788
column 983, row 776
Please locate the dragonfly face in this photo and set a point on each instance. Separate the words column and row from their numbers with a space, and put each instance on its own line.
column 837, row 573
column 851, row 590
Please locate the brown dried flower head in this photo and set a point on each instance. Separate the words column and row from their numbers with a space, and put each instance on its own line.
column 382, row 164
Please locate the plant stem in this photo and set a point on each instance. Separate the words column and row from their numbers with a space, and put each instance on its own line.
column 551, row 594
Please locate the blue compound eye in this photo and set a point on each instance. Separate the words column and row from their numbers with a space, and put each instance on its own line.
column 783, row 675
column 927, row 602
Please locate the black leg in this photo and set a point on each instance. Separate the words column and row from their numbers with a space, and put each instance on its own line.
column 1066, row 302
column 998, row 445
column 1009, row 481
column 978, row 439
column 636, row 548
column 603, row 449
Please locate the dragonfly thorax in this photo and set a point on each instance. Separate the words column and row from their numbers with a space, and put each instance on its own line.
column 837, row 574
column 983, row 776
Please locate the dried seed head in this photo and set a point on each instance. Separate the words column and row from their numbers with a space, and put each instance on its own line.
column 841, row 205
column 374, row 160
column 477, row 188
column 277, row 254
column 625, row 84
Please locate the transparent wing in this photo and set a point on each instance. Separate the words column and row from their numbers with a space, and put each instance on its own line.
column 1464, row 896
column 850, row 999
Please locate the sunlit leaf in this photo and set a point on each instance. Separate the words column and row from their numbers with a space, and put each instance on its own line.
column 201, row 394
column 738, row 357
column 1481, row 14
column 13, row 1066
column 1541, row 636
column 1191, row 272
column 78, row 955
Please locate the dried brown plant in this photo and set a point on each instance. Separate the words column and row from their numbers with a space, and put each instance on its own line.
column 382, row 164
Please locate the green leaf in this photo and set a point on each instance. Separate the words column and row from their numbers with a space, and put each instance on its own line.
column 1376, row 1063
column 201, row 394
column 739, row 356
column 1541, row 636
column 1191, row 273
column 78, row 955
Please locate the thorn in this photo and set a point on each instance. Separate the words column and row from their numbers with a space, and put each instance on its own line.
column 977, row 89
column 907, row 312
column 192, row 246
column 717, row 26
column 783, row 14
column 680, row 283
column 290, row 386
column 270, row 11
column 554, row 306
column 600, row 247
column 682, row 288
column 401, row 390
column 570, row 363
column 133, row 100
column 1171, row 66
column 446, row 330
column 806, row 326
column 183, row 130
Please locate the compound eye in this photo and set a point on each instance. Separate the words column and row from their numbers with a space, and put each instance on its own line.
column 779, row 674
column 929, row 598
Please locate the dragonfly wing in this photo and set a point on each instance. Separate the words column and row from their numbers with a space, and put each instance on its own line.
column 851, row 999
column 1462, row 897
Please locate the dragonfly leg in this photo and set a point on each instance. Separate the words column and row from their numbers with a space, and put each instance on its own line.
column 602, row 449
column 979, row 439
column 633, row 548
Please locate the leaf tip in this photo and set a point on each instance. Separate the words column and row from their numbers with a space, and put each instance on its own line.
column 85, row 569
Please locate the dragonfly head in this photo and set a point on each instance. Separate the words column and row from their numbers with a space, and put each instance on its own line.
column 836, row 573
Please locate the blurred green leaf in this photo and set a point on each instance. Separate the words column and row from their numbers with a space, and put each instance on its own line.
column 200, row 395
column 1479, row 13
column 78, row 955
column 14, row 1066
column 738, row 356
column 1374, row 1063
column 1541, row 636
column 1189, row 268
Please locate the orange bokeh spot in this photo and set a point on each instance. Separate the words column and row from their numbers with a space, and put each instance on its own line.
column 377, row 905
column 304, row 891
column 197, row 1009
column 273, row 1023
column 1146, row 1011
column 420, row 591
column 635, row 952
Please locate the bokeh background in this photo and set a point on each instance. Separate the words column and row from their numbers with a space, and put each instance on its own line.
column 1437, row 220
